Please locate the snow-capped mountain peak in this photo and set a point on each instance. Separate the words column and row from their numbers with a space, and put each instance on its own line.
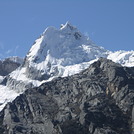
column 63, row 52
column 66, row 44
column 57, row 49
column 59, row 52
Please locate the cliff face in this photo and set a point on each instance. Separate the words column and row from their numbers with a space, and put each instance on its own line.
column 99, row 100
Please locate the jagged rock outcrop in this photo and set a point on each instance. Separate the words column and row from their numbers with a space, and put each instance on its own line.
column 99, row 100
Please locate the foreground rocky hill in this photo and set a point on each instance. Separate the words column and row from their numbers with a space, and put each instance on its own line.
column 99, row 100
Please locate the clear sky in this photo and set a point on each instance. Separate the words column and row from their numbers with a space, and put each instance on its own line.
column 109, row 23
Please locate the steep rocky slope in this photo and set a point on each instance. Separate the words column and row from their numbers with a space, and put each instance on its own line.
column 99, row 100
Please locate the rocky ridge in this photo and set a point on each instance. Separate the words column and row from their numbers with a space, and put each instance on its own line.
column 99, row 100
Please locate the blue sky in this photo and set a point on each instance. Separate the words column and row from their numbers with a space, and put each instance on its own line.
column 109, row 23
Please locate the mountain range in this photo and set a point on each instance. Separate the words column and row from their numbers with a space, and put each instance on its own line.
column 99, row 100
column 77, row 86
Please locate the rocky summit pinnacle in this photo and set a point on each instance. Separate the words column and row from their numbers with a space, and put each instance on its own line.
column 99, row 100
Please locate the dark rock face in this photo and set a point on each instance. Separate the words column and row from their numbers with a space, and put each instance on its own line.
column 7, row 66
column 99, row 100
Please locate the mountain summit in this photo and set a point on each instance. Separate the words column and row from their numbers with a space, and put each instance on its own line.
column 58, row 48
column 64, row 46
column 57, row 53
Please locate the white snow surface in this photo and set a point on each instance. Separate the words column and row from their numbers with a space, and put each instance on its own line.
column 125, row 58
column 66, row 50
column 6, row 95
